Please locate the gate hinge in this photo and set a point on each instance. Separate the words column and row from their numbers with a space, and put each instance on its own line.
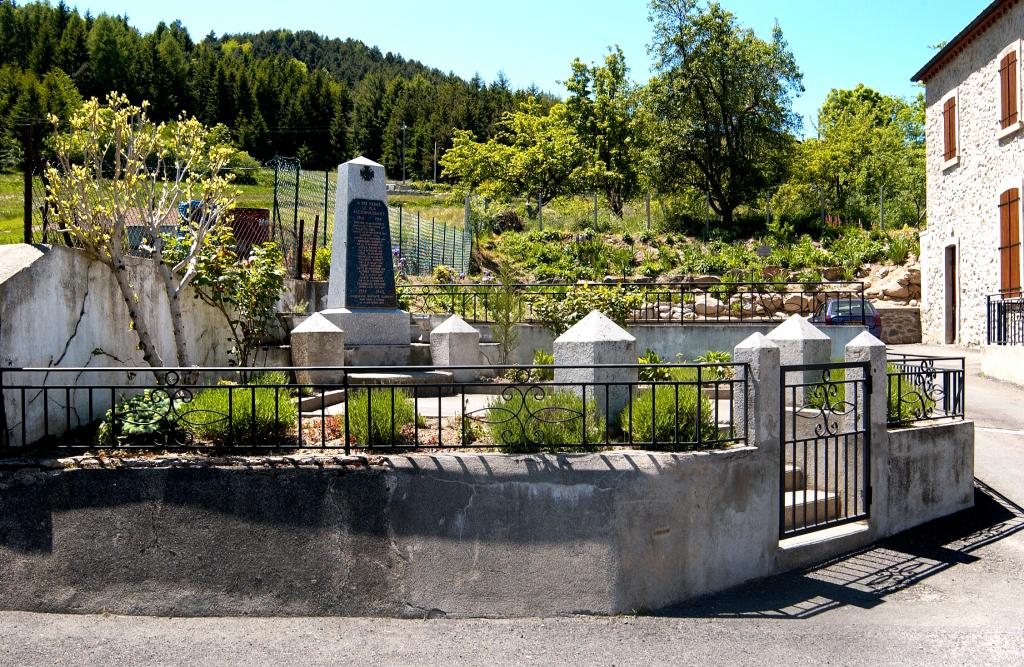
column 867, row 496
column 869, row 383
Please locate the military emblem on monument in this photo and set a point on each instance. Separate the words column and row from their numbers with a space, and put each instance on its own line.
column 367, row 173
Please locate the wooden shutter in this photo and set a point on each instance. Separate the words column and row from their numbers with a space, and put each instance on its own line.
column 949, row 128
column 1009, row 243
column 1008, row 89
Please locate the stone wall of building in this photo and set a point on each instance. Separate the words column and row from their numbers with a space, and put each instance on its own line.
column 900, row 324
column 963, row 199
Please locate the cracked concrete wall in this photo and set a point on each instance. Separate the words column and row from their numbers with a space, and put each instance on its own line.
column 931, row 473
column 461, row 535
column 59, row 309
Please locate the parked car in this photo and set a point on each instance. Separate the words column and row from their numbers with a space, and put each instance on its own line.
column 848, row 311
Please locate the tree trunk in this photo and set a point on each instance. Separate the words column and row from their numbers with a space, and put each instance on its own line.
column 174, row 305
column 149, row 352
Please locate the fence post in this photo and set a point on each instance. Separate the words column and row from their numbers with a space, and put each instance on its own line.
column 312, row 252
column 276, row 214
column 759, row 414
column 419, row 246
column 27, row 202
column 327, row 194
column 433, row 235
column 874, row 410
column 295, row 215
column 299, row 250
column 400, row 251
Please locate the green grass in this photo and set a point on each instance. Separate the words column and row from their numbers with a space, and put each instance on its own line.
column 12, row 207
column 206, row 415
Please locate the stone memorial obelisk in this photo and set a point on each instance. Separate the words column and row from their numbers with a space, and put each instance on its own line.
column 361, row 297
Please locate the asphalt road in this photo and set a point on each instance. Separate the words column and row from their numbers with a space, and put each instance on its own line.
column 948, row 593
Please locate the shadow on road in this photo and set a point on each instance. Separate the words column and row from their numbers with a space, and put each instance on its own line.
column 863, row 578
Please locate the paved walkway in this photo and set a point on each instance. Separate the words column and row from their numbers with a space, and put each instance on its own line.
column 953, row 594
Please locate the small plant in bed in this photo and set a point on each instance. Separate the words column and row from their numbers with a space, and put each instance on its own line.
column 665, row 417
column 144, row 419
column 380, row 417
column 259, row 412
column 527, row 420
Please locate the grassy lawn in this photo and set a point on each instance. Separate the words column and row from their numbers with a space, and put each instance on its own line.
column 11, row 208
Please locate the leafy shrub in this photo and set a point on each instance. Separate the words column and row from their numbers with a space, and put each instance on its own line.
column 444, row 275
column 542, row 358
column 665, row 417
column 654, row 372
column 322, row 264
column 901, row 247
column 139, row 418
column 371, row 420
column 224, row 414
column 559, row 311
column 506, row 221
column 716, row 372
column 527, row 420
column 906, row 402
column 244, row 168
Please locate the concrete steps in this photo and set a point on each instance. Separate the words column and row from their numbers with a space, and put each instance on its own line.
column 793, row 478
column 804, row 505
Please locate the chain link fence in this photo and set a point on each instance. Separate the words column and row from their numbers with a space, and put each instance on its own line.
column 293, row 207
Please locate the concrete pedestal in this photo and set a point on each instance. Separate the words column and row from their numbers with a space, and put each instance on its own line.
column 318, row 342
column 456, row 343
column 596, row 339
column 373, row 336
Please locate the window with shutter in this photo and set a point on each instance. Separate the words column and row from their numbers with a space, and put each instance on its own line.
column 1009, row 243
column 1008, row 90
column 949, row 128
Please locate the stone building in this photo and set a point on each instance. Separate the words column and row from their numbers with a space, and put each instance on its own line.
column 975, row 169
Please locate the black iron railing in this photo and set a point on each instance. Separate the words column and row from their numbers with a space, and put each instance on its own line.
column 923, row 388
column 825, row 453
column 671, row 407
column 644, row 303
column 1005, row 319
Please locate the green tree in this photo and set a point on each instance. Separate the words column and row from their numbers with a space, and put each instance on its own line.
column 603, row 106
column 535, row 154
column 868, row 146
column 723, row 101
column 116, row 167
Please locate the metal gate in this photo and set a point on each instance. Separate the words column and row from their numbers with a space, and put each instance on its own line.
column 825, row 453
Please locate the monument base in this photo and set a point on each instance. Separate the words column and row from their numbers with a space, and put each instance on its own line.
column 377, row 355
column 371, row 326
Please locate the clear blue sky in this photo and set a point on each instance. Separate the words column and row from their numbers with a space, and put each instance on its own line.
column 837, row 44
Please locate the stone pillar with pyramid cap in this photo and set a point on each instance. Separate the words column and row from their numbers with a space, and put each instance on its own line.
column 596, row 339
column 361, row 297
column 800, row 342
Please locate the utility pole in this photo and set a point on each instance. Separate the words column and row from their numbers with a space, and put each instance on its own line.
column 403, row 154
column 881, row 207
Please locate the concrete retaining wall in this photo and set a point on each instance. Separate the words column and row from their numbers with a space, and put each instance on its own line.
column 468, row 535
column 1003, row 362
column 931, row 473
column 691, row 339
column 58, row 308
column 463, row 535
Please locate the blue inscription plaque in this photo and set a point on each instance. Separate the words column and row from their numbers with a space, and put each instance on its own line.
column 369, row 273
